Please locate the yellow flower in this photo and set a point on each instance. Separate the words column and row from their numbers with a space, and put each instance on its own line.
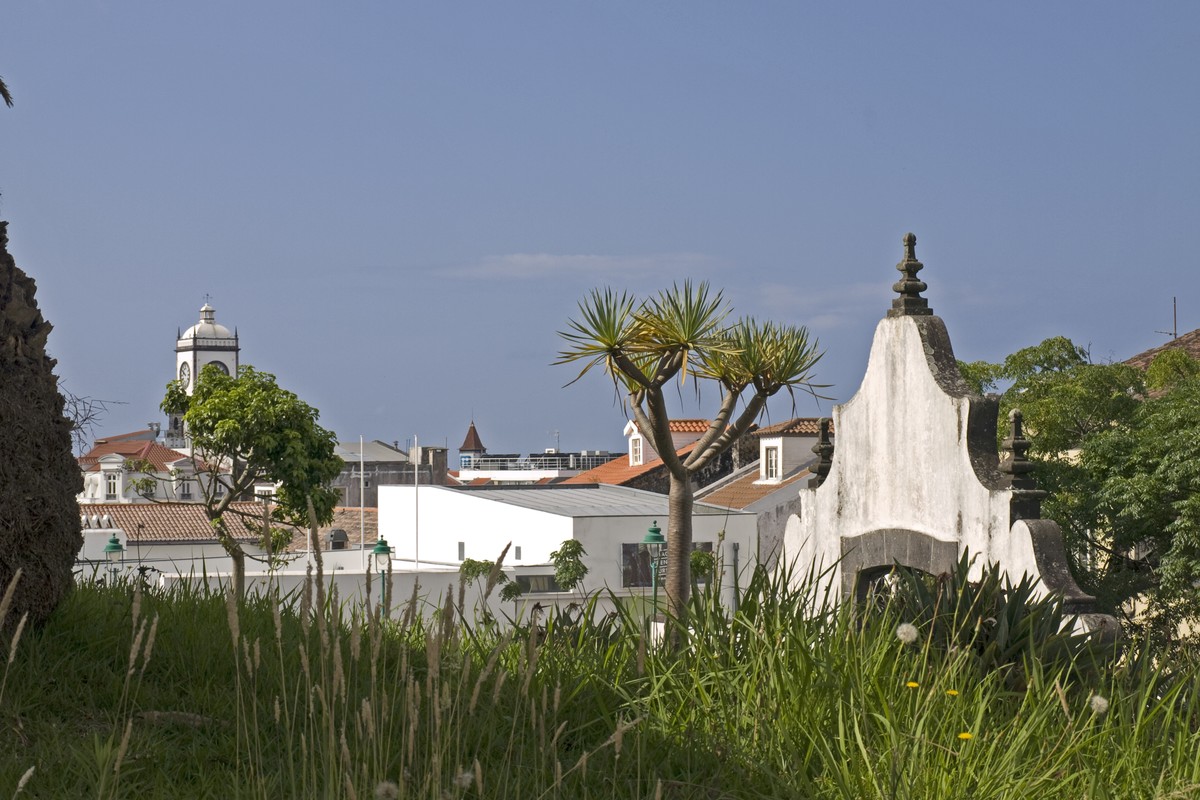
column 952, row 692
column 964, row 736
column 912, row 684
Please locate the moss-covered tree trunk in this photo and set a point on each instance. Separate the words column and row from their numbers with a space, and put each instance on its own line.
column 39, row 479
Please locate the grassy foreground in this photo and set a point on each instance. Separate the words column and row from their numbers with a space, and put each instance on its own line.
column 131, row 694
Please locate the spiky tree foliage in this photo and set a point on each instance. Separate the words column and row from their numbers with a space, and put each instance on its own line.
column 5, row 94
column 645, row 345
column 39, row 479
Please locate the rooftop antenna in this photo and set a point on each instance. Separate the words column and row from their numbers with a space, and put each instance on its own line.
column 1174, row 332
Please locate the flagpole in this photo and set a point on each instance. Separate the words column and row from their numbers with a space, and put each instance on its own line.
column 416, row 507
column 362, row 518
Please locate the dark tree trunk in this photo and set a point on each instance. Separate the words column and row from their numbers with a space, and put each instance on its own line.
column 39, row 478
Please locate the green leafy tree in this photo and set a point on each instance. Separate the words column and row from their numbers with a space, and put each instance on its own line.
column 644, row 346
column 569, row 569
column 1146, row 477
column 1119, row 453
column 245, row 430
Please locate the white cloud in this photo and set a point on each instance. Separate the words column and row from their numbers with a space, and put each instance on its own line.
column 528, row 266
column 826, row 306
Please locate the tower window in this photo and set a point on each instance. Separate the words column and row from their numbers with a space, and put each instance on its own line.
column 462, row 550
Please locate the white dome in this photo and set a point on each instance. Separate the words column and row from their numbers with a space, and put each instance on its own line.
column 207, row 327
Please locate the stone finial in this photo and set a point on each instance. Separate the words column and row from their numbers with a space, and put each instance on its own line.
column 824, row 450
column 910, row 302
column 1027, row 498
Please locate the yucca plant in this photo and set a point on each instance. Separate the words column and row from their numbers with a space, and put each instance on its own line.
column 1000, row 622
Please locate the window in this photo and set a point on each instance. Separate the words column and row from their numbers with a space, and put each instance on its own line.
column 112, row 485
column 635, row 451
column 635, row 564
column 537, row 583
column 517, row 552
column 771, row 464
column 462, row 550
column 185, row 490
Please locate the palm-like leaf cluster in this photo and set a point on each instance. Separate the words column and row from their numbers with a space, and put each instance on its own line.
column 681, row 329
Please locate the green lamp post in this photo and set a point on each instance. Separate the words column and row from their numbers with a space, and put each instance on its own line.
column 113, row 552
column 654, row 542
column 381, row 555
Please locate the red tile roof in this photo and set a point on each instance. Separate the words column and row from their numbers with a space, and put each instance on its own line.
column 689, row 425
column 1188, row 342
column 618, row 472
column 359, row 530
column 799, row 426
column 173, row 522
column 161, row 457
column 744, row 491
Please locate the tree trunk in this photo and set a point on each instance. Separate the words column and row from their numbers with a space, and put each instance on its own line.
column 679, row 548
column 238, row 556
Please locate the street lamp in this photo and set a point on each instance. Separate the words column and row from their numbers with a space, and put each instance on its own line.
column 113, row 552
column 654, row 542
column 381, row 555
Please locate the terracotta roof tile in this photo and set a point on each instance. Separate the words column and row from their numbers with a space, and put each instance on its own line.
column 359, row 530
column 744, row 491
column 799, row 426
column 1188, row 342
column 161, row 457
column 618, row 472
column 689, row 425
column 172, row 522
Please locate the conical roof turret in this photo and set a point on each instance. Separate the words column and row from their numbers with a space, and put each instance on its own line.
column 472, row 444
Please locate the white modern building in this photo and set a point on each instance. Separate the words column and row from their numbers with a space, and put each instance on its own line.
column 436, row 527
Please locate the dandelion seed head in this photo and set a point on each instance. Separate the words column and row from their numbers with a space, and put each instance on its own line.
column 464, row 779
column 386, row 790
column 1099, row 704
column 906, row 632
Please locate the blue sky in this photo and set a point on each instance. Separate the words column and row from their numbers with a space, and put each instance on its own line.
column 398, row 204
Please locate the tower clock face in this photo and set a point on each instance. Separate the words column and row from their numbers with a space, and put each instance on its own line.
column 185, row 374
column 221, row 366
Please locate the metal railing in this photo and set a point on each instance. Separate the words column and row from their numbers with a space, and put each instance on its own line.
column 549, row 461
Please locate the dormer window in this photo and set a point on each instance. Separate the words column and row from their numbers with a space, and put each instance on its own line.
column 771, row 463
column 112, row 486
column 635, row 451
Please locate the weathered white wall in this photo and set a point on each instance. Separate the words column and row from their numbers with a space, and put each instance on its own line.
column 902, row 462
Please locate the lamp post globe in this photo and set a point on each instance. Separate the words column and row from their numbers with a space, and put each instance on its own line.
column 113, row 552
column 654, row 542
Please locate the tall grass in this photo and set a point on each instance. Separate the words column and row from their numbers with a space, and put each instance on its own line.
column 285, row 697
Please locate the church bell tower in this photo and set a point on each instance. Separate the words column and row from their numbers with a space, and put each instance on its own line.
column 206, row 342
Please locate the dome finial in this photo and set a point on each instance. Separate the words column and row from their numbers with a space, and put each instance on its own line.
column 910, row 302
